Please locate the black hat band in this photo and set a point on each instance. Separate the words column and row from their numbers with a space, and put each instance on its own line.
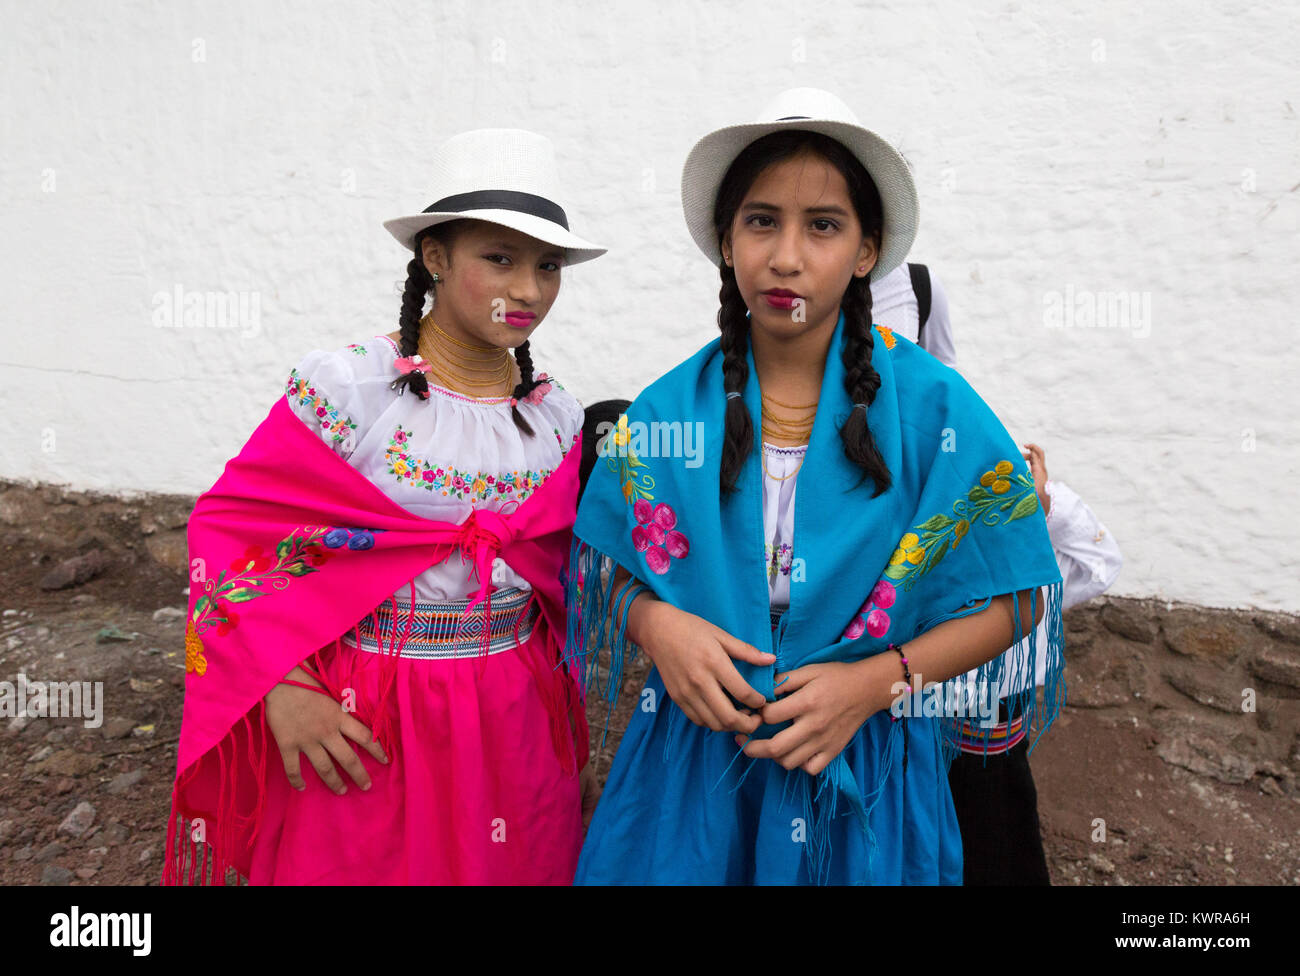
column 517, row 200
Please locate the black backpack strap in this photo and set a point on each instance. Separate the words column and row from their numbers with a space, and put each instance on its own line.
column 921, row 288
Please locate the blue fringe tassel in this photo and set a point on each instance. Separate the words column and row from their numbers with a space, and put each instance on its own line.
column 989, row 676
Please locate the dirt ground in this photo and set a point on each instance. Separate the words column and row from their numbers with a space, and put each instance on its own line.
column 89, row 806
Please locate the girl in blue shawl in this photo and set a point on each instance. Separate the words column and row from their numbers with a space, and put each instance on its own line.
column 807, row 742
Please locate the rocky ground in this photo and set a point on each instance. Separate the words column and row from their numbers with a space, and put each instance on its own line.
column 1188, row 792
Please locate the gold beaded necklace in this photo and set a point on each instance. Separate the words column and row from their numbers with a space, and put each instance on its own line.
column 495, row 369
column 799, row 428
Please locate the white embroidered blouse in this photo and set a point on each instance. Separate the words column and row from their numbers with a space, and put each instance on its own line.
column 781, row 465
column 440, row 458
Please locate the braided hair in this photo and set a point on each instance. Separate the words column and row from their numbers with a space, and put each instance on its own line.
column 419, row 285
column 861, row 381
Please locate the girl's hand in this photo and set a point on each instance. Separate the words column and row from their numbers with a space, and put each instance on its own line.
column 1038, row 468
column 314, row 724
column 827, row 704
column 590, row 794
column 694, row 660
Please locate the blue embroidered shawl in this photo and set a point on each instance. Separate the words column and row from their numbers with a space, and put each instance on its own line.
column 959, row 525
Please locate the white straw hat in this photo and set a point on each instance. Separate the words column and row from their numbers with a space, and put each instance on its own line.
column 817, row 111
column 503, row 176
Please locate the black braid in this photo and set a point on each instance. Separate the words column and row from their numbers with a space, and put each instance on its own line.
column 524, row 359
column 861, row 382
column 418, row 286
column 738, row 437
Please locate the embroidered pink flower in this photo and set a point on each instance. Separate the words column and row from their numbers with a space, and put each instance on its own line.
column 676, row 544
column 664, row 516
column 883, row 594
column 655, row 536
column 871, row 617
column 877, row 623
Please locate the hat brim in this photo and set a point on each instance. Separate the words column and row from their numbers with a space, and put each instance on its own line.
column 576, row 250
column 711, row 157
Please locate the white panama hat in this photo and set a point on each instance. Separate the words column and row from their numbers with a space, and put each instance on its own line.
column 503, row 176
column 817, row 111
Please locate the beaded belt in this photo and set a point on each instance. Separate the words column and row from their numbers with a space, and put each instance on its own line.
column 434, row 626
column 775, row 614
column 1001, row 737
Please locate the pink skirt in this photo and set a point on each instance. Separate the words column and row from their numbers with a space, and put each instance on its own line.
column 473, row 794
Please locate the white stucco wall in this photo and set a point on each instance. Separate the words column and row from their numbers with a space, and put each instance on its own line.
column 255, row 147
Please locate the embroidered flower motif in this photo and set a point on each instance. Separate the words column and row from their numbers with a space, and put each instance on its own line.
column 887, row 334
column 995, row 480
column 195, row 661
column 256, row 574
column 655, row 536
column 871, row 617
column 352, row 538
column 779, row 560
column 252, row 561
column 456, row 483
column 299, row 390
column 1001, row 496
column 357, row 348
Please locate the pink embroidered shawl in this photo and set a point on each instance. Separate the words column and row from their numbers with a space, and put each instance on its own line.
column 289, row 550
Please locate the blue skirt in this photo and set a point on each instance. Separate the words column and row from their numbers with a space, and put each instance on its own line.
column 682, row 806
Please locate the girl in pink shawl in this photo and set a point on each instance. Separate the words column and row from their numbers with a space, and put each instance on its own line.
column 378, row 579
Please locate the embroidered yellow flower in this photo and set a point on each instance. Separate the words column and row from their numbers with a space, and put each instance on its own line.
column 621, row 434
column 996, row 480
column 399, row 467
column 194, row 659
column 960, row 530
column 909, row 550
column 887, row 334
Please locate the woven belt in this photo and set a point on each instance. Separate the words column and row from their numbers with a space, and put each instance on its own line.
column 434, row 626
column 1001, row 737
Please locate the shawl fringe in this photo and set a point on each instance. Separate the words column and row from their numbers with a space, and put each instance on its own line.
column 194, row 855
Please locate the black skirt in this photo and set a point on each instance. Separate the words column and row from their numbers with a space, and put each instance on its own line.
column 997, row 810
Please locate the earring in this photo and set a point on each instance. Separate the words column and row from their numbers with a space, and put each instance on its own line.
column 434, row 278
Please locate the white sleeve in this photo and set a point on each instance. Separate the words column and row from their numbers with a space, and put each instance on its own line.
column 936, row 337
column 1087, row 553
column 321, row 391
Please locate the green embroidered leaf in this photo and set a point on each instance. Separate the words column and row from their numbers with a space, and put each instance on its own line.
column 897, row 572
column 1005, row 505
column 933, row 557
column 299, row 569
column 242, row 594
column 935, row 522
column 284, row 548
column 978, row 494
column 200, row 605
column 1027, row 506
